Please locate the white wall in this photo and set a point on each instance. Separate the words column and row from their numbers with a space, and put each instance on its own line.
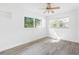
column 78, row 25
column 12, row 31
column 67, row 34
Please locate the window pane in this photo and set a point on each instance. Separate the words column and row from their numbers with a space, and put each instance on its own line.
column 37, row 23
column 28, row 22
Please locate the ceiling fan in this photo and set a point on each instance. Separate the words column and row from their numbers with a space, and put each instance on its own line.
column 50, row 8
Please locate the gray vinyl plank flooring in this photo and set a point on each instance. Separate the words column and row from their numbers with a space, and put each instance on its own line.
column 45, row 47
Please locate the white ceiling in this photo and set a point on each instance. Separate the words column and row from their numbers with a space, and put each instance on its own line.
column 37, row 7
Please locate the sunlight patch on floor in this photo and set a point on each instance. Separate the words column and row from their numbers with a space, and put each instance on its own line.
column 55, row 41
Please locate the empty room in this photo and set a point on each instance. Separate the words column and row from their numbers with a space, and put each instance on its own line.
column 39, row 29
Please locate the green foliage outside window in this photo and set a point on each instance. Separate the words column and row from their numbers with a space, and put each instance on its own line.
column 28, row 22
column 31, row 22
column 37, row 22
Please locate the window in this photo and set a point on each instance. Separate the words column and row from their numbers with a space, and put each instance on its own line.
column 59, row 23
column 32, row 22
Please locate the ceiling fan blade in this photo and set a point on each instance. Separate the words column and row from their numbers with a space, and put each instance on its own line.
column 55, row 8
